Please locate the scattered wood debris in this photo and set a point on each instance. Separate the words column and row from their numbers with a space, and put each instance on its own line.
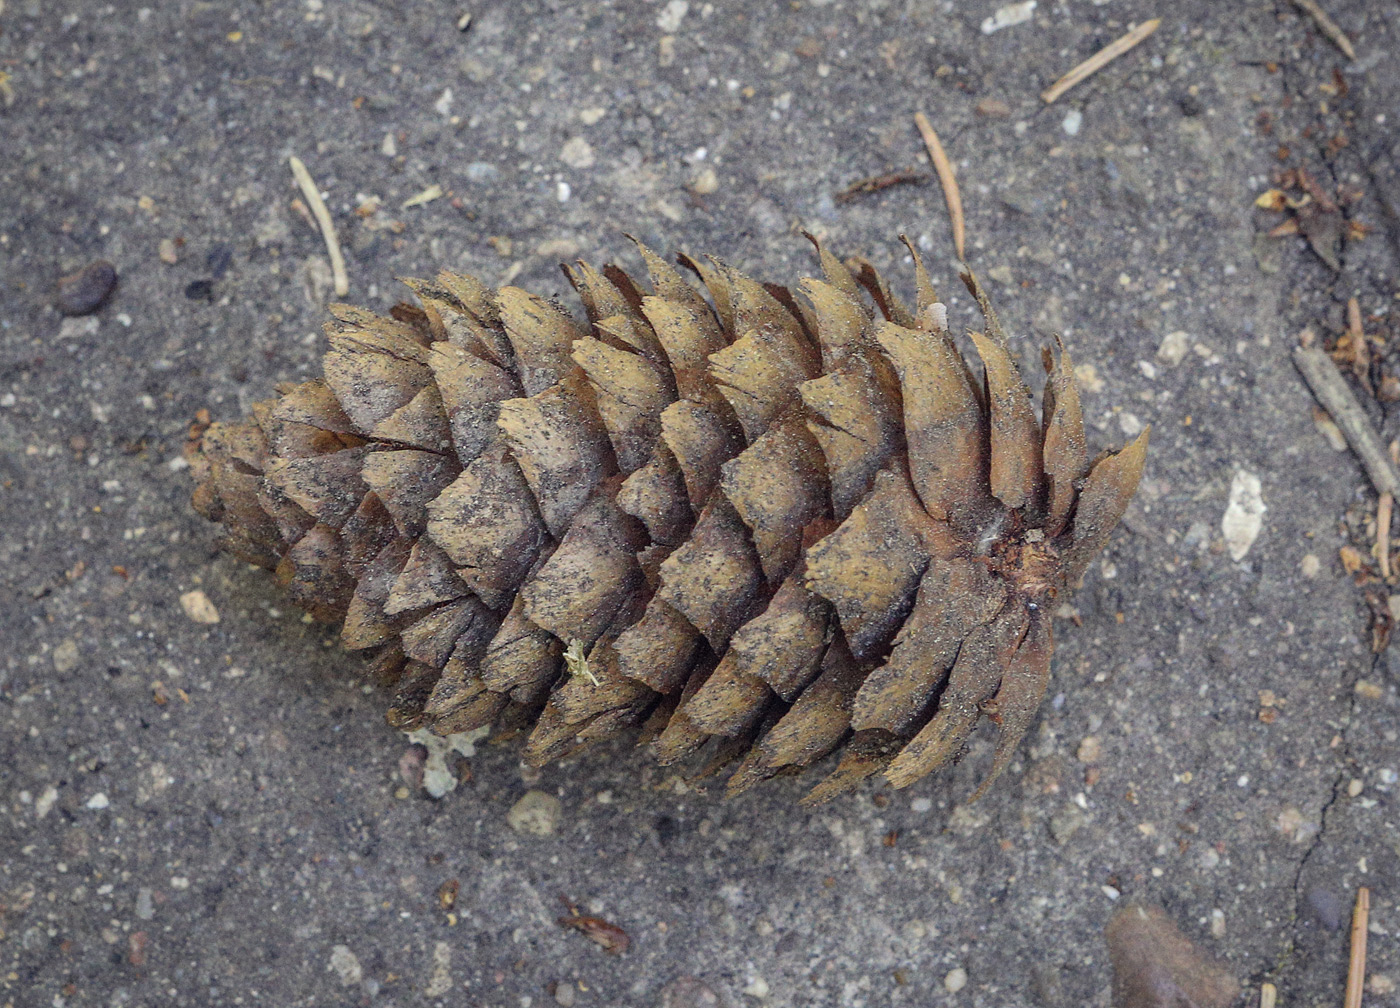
column 1327, row 26
column 1100, row 59
column 1331, row 390
column 904, row 176
column 947, row 177
column 1356, row 966
column 323, row 219
column 608, row 936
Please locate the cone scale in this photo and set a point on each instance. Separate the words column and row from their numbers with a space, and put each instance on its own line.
column 751, row 527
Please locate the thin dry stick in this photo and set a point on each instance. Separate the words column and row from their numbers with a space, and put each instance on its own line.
column 1328, row 26
column 1356, row 968
column 1336, row 398
column 323, row 218
column 1268, row 995
column 1100, row 59
column 1383, row 509
column 944, row 167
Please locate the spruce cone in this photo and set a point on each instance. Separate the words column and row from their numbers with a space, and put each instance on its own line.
column 756, row 524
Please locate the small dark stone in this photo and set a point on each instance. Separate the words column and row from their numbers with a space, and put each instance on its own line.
column 1326, row 907
column 87, row 290
column 666, row 829
column 200, row 290
column 1190, row 105
column 219, row 259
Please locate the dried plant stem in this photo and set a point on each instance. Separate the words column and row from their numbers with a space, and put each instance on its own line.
column 1332, row 392
column 1327, row 25
column 946, row 176
column 1383, row 510
column 1268, row 995
column 323, row 218
column 1100, row 59
column 1356, row 967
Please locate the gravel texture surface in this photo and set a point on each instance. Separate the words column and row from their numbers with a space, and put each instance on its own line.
column 201, row 802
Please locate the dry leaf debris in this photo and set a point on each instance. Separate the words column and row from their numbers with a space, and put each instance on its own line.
column 746, row 523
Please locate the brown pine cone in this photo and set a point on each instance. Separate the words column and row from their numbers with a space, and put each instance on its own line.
column 732, row 518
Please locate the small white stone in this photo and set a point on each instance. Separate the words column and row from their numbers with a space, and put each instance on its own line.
column 97, row 802
column 387, row 146
column 198, row 607
column 345, row 965
column 1174, row 347
column 1130, row 424
column 669, row 20
column 536, row 813
column 956, row 980
column 1072, row 121
column 1011, row 14
column 577, row 153
column 1244, row 515
column 443, row 106
column 1217, row 923
column 1310, row 567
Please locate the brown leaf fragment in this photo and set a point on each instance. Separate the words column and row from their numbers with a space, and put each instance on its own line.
column 607, row 936
column 1156, row 966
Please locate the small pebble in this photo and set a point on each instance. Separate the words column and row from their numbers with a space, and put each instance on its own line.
column 97, row 802
column 704, row 183
column 577, row 153
column 1090, row 749
column 1174, row 347
column 1073, row 120
column 536, row 813
column 956, row 980
column 87, row 290
column 1065, row 823
column 198, row 607
column 564, row 994
column 1311, row 566
column 993, row 108
column 145, row 903
column 345, row 965
column 65, row 656
column 167, row 252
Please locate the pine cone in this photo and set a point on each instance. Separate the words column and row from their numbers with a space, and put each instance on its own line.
column 758, row 525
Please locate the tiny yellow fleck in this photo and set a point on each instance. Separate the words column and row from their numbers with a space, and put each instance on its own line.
column 235, row 36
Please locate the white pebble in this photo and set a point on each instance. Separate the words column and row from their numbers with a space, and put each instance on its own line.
column 1073, row 120
column 198, row 607
column 1174, row 347
column 669, row 20
column 97, row 802
column 956, row 980
column 1244, row 515
column 1011, row 14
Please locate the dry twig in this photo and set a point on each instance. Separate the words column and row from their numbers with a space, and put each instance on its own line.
column 323, row 218
column 1332, row 392
column 944, row 167
column 1100, row 59
column 1383, row 511
column 1356, row 967
column 1268, row 995
column 905, row 176
column 1327, row 25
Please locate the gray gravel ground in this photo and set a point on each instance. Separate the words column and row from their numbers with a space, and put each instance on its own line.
column 213, row 814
